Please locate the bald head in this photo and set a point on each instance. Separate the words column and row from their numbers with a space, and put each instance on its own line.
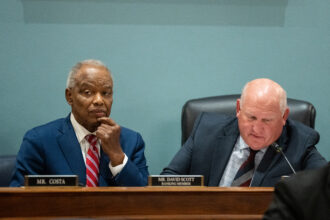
column 266, row 91
column 261, row 112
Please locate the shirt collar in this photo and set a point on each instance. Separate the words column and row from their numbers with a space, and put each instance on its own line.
column 80, row 131
column 241, row 143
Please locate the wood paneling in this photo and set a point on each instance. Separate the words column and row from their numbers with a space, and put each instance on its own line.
column 135, row 202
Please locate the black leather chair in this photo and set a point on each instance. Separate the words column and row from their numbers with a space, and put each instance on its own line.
column 7, row 165
column 226, row 104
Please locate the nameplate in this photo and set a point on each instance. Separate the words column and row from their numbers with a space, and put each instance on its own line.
column 51, row 180
column 176, row 180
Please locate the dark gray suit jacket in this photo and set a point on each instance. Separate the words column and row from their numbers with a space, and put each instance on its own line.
column 304, row 196
column 210, row 145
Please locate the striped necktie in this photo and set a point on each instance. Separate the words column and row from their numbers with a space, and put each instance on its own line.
column 245, row 172
column 92, row 162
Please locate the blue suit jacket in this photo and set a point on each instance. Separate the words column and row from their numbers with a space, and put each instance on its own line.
column 53, row 149
column 208, row 150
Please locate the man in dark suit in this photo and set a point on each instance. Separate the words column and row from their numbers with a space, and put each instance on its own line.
column 114, row 156
column 222, row 147
column 304, row 196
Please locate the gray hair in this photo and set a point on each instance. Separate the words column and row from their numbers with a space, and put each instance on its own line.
column 71, row 81
column 280, row 93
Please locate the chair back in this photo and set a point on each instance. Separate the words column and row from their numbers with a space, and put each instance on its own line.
column 302, row 111
column 7, row 165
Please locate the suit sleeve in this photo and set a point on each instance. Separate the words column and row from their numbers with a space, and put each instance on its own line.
column 135, row 172
column 180, row 164
column 312, row 158
column 283, row 205
column 29, row 159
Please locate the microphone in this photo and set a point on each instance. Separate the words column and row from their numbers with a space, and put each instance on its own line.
column 279, row 150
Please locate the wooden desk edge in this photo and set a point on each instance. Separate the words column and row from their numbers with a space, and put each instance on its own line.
column 4, row 190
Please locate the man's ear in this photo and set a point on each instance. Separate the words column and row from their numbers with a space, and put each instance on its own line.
column 286, row 115
column 238, row 107
column 68, row 96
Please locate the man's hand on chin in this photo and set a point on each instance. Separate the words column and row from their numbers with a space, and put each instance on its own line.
column 109, row 134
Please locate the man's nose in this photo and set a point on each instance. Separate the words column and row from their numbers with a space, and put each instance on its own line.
column 258, row 126
column 98, row 99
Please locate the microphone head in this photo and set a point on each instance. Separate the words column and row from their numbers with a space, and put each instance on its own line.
column 276, row 147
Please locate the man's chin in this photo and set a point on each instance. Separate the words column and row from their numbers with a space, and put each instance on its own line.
column 256, row 145
column 93, row 125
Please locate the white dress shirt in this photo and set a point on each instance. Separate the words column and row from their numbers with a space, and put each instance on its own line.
column 81, row 133
column 240, row 154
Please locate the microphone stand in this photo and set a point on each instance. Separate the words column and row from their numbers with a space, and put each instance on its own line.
column 279, row 150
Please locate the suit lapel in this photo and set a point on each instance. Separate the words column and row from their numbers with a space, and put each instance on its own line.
column 224, row 146
column 70, row 147
column 270, row 159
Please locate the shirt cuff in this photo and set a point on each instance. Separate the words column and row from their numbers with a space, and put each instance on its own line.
column 115, row 170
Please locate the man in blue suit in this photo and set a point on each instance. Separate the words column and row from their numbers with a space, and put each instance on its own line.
column 61, row 148
column 219, row 146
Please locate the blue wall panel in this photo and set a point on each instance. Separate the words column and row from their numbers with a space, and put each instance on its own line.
column 161, row 53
